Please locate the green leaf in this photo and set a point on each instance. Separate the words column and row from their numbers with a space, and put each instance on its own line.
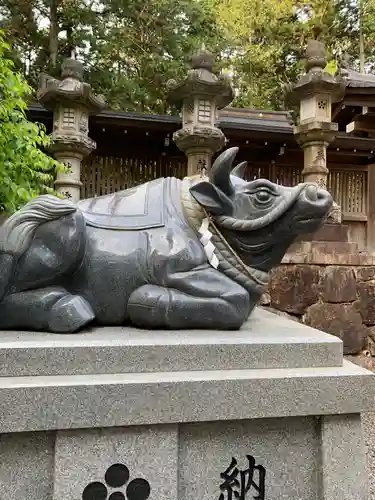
column 331, row 67
column 25, row 170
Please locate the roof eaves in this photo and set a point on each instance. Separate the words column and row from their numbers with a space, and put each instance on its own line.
column 263, row 124
column 142, row 117
column 256, row 124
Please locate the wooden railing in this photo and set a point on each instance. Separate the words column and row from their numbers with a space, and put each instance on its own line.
column 286, row 176
column 348, row 187
column 102, row 175
column 349, row 190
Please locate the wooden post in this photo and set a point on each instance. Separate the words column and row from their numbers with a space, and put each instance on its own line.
column 371, row 208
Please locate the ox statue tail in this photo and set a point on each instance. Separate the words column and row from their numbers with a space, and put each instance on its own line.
column 18, row 231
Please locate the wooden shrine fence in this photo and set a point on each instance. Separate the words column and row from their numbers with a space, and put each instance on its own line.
column 102, row 175
column 348, row 187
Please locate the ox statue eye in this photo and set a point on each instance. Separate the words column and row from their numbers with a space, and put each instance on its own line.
column 263, row 196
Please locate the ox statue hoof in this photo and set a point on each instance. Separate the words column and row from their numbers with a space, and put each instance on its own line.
column 69, row 314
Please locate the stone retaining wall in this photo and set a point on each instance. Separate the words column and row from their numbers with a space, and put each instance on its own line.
column 328, row 290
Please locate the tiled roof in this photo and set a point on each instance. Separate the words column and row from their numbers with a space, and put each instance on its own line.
column 359, row 80
column 229, row 118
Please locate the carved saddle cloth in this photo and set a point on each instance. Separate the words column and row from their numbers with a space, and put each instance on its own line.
column 140, row 207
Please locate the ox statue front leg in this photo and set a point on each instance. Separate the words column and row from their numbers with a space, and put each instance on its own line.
column 201, row 298
column 52, row 309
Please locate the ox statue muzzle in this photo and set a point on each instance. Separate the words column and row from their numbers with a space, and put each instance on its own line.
column 313, row 205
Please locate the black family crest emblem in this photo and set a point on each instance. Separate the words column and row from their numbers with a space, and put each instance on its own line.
column 116, row 486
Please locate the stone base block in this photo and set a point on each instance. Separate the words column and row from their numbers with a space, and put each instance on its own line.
column 329, row 232
column 306, row 458
column 27, row 465
column 132, row 461
column 323, row 247
column 265, row 341
column 270, row 412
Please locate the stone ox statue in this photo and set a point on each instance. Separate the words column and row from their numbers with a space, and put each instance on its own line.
column 175, row 254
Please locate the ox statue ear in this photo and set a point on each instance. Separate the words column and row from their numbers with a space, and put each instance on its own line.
column 211, row 198
column 239, row 170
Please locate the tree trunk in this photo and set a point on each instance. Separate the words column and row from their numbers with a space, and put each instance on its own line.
column 361, row 38
column 53, row 32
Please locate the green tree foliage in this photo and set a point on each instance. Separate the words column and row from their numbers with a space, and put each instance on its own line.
column 131, row 48
column 139, row 45
column 25, row 171
column 268, row 38
column 258, row 33
column 41, row 33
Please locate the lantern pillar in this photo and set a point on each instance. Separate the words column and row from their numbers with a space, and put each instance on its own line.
column 71, row 101
column 314, row 94
column 200, row 95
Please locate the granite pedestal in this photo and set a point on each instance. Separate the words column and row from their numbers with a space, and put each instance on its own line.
column 119, row 413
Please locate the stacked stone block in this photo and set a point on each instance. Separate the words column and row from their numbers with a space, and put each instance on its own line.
column 328, row 289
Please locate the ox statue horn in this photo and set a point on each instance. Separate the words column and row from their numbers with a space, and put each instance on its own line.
column 239, row 170
column 219, row 174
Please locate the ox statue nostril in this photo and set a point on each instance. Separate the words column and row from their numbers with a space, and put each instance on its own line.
column 312, row 192
column 322, row 194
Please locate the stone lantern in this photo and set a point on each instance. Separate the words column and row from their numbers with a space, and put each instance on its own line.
column 201, row 94
column 71, row 101
column 314, row 93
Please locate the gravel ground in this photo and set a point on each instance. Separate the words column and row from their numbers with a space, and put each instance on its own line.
column 368, row 420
